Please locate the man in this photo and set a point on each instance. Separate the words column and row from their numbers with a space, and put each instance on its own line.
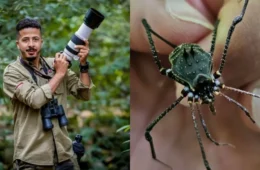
column 32, row 82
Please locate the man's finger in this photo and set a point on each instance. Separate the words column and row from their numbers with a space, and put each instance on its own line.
column 81, row 54
column 57, row 55
column 64, row 57
column 84, row 51
column 86, row 42
column 80, row 47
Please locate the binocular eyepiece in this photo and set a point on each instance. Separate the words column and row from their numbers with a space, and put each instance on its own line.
column 92, row 20
column 53, row 110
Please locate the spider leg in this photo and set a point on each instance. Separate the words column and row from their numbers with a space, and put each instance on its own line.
column 163, row 71
column 213, row 42
column 206, row 163
column 152, row 46
column 212, row 108
column 237, row 19
column 151, row 125
column 149, row 31
column 241, row 91
column 239, row 105
column 204, row 125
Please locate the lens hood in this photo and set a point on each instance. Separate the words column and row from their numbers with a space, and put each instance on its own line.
column 93, row 18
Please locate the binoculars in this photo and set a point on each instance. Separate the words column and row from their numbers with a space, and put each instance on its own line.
column 53, row 110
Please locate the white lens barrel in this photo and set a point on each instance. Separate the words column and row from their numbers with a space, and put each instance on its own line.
column 69, row 55
column 83, row 32
column 92, row 20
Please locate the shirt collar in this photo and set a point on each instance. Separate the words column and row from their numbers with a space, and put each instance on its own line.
column 30, row 63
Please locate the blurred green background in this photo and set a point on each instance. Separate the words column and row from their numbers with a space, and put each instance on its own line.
column 108, row 110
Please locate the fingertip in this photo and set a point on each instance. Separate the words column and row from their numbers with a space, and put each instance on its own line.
column 57, row 55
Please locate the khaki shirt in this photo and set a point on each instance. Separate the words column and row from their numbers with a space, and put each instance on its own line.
column 31, row 143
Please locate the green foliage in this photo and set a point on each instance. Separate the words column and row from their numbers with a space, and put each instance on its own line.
column 124, row 128
column 109, row 69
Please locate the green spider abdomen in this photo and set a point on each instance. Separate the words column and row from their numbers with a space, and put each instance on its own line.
column 191, row 64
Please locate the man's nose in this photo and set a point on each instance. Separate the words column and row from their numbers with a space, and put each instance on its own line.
column 31, row 43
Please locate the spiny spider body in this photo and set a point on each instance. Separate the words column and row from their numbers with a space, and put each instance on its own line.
column 192, row 67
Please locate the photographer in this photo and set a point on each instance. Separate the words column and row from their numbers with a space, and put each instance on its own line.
column 38, row 88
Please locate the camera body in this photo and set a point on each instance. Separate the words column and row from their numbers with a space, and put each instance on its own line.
column 92, row 20
column 78, row 147
column 53, row 110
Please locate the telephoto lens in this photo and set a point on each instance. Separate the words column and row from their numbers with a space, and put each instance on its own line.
column 92, row 20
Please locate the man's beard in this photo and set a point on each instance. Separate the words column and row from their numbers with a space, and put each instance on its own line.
column 31, row 58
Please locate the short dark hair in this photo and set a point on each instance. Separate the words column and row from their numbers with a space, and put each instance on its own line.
column 27, row 23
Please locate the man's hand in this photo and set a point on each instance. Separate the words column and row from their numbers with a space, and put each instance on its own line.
column 83, row 52
column 60, row 64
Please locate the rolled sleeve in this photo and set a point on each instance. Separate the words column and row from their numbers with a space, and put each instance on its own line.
column 47, row 91
column 77, row 88
column 17, row 86
column 81, row 85
column 84, row 90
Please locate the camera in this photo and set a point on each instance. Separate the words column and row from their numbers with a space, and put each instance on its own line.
column 78, row 147
column 92, row 20
column 53, row 110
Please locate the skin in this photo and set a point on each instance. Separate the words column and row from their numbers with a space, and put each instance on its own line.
column 29, row 43
column 151, row 93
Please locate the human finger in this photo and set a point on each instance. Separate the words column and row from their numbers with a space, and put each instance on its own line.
column 81, row 47
column 177, row 21
column 63, row 57
column 243, row 47
column 57, row 55
column 84, row 51
column 86, row 42
column 83, row 54
column 242, row 63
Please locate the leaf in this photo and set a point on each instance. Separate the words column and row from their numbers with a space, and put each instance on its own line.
column 126, row 127
column 128, row 141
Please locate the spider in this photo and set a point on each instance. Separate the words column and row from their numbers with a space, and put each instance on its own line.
column 191, row 66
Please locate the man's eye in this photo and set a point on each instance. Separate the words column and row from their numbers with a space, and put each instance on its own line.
column 25, row 40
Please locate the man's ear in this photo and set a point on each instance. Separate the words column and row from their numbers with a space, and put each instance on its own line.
column 17, row 45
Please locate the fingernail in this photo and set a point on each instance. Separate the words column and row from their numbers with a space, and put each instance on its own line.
column 182, row 10
column 256, row 103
